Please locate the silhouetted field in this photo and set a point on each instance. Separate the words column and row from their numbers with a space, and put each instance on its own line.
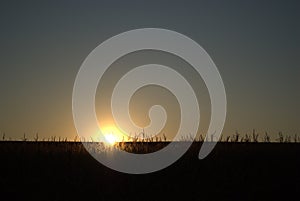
column 233, row 171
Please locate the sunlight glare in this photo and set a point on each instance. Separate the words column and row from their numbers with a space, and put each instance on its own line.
column 110, row 139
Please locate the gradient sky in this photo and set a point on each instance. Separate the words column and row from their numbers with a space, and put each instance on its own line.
column 255, row 45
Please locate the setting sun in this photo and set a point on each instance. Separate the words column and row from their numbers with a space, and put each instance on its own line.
column 112, row 135
column 110, row 139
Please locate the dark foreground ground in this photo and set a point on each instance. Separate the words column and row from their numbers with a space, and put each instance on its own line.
column 233, row 171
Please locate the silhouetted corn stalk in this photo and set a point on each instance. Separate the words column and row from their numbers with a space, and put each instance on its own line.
column 235, row 137
column 164, row 137
column 280, row 137
column 266, row 137
column 247, row 138
column 295, row 138
column 24, row 139
column 287, row 139
column 36, row 138
column 254, row 136
column 201, row 138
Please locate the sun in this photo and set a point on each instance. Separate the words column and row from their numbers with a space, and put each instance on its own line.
column 112, row 135
column 110, row 138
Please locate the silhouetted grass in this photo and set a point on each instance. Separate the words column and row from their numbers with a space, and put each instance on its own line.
column 241, row 167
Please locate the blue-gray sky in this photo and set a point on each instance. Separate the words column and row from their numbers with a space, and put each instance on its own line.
column 255, row 45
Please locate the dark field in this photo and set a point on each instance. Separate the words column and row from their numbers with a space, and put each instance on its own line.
column 233, row 171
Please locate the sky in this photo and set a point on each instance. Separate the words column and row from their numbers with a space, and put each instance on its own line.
column 254, row 44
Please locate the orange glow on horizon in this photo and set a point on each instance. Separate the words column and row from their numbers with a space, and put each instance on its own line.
column 112, row 134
